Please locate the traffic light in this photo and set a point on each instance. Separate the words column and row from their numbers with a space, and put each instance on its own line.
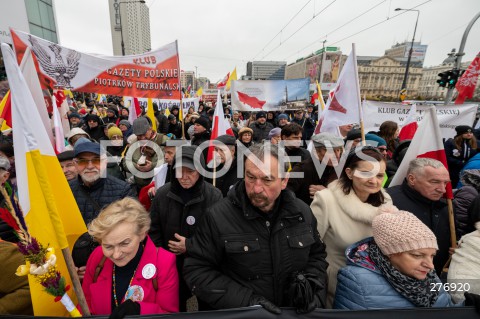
column 453, row 79
column 444, row 77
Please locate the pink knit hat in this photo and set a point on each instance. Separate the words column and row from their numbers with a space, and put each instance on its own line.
column 397, row 231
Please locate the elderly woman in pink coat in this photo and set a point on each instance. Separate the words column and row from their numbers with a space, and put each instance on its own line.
column 127, row 274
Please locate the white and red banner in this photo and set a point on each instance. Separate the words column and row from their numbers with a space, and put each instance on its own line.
column 270, row 95
column 153, row 74
column 449, row 116
column 421, row 146
column 468, row 81
column 343, row 105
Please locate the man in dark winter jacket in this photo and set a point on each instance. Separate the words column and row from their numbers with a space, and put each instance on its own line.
column 261, row 127
column 178, row 207
column 250, row 247
column 421, row 194
column 326, row 146
column 92, row 192
column 174, row 127
column 161, row 118
column 291, row 136
column 307, row 123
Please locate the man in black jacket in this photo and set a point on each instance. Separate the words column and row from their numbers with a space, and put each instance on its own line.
column 291, row 136
column 256, row 244
column 178, row 207
column 421, row 194
column 261, row 127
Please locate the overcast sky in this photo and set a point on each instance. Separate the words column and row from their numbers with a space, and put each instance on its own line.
column 218, row 35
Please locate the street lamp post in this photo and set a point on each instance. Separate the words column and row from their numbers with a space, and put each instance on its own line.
column 405, row 77
column 120, row 19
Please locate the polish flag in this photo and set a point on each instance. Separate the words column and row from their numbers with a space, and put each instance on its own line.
column 220, row 127
column 223, row 83
column 467, row 83
column 421, row 146
column 57, row 124
column 134, row 109
column 343, row 105
column 409, row 125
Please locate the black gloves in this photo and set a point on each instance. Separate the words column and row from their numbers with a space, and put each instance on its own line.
column 127, row 308
column 472, row 300
column 265, row 303
column 302, row 292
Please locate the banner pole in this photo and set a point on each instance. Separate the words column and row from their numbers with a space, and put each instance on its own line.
column 359, row 97
column 180, row 90
column 77, row 286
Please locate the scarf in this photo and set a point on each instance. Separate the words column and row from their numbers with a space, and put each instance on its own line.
column 416, row 291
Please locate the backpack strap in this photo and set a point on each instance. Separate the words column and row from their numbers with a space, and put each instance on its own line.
column 99, row 268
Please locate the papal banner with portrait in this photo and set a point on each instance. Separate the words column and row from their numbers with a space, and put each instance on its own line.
column 449, row 116
column 152, row 74
column 270, row 95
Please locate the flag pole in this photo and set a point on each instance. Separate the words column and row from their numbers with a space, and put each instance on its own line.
column 41, row 172
column 214, row 170
column 180, row 90
column 359, row 98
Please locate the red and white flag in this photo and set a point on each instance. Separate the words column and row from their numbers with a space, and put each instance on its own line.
column 223, row 82
column 134, row 109
column 220, row 126
column 468, row 81
column 409, row 125
column 431, row 147
column 343, row 105
column 57, row 125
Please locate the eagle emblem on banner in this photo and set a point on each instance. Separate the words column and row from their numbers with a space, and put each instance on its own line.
column 54, row 65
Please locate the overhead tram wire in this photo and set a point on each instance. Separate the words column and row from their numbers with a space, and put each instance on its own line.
column 330, row 33
column 314, row 16
column 378, row 23
column 281, row 30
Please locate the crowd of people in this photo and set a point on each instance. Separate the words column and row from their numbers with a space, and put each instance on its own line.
column 264, row 220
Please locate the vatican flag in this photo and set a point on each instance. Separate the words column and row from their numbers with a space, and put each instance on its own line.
column 50, row 210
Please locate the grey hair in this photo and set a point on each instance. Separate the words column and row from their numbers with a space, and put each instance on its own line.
column 260, row 150
column 4, row 163
column 417, row 165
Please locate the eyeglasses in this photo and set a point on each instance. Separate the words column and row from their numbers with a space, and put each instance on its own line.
column 85, row 162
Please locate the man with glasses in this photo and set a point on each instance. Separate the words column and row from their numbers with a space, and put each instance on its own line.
column 91, row 190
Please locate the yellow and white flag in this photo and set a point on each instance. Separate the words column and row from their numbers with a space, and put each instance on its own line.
column 51, row 213
column 151, row 114
column 232, row 77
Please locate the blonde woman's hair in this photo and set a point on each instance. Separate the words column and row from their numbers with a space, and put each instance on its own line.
column 123, row 210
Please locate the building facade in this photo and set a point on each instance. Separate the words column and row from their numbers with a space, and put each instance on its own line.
column 130, row 20
column 187, row 78
column 402, row 50
column 266, row 70
column 203, row 82
column 382, row 77
column 36, row 17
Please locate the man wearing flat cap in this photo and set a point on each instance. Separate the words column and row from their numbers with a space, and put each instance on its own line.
column 225, row 147
column 261, row 127
column 306, row 122
column 459, row 150
column 178, row 207
column 75, row 120
column 68, row 165
column 327, row 146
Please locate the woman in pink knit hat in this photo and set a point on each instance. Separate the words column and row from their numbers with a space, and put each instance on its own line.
column 392, row 269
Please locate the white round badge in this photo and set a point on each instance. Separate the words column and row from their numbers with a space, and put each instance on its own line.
column 190, row 220
column 149, row 271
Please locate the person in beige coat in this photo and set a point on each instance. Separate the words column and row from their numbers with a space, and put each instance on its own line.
column 464, row 271
column 345, row 209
